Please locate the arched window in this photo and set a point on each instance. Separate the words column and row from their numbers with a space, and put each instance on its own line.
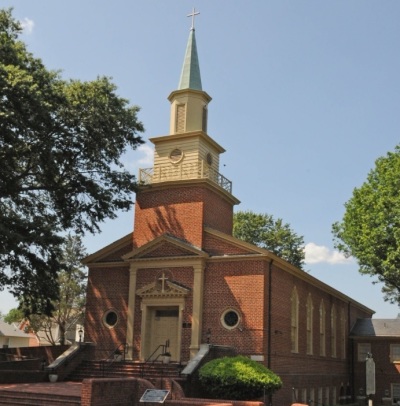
column 310, row 311
column 295, row 320
column 322, row 336
column 333, row 331
column 343, row 333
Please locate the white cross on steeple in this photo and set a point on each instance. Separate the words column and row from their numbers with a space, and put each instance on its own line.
column 193, row 14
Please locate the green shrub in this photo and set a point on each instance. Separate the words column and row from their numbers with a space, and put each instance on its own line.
column 237, row 378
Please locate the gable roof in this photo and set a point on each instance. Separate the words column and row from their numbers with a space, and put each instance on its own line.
column 112, row 252
column 217, row 243
column 9, row 330
column 376, row 328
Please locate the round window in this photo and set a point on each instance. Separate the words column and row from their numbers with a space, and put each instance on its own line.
column 110, row 318
column 230, row 319
column 176, row 155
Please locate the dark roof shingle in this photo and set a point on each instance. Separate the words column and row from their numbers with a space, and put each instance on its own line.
column 376, row 328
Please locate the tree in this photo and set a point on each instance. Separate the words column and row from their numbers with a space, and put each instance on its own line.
column 266, row 232
column 238, row 378
column 61, row 144
column 370, row 228
column 69, row 308
column 14, row 316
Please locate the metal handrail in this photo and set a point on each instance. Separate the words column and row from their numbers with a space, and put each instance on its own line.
column 164, row 350
column 183, row 171
column 109, row 361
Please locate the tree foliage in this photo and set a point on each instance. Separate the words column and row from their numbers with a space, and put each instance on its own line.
column 61, row 144
column 69, row 307
column 370, row 228
column 237, row 378
column 14, row 316
column 274, row 235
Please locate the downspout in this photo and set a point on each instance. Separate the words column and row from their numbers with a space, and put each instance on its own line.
column 269, row 314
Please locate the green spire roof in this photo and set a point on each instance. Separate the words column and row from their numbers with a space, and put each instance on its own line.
column 190, row 76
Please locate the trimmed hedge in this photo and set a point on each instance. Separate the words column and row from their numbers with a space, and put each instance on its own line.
column 237, row 378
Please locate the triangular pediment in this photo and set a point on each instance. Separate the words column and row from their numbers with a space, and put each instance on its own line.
column 165, row 246
column 162, row 290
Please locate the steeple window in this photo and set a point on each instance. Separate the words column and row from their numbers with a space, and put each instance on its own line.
column 180, row 118
column 209, row 159
column 205, row 118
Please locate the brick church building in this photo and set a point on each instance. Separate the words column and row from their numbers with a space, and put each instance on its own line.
column 180, row 276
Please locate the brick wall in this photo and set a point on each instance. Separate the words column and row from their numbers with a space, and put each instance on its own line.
column 180, row 211
column 263, row 300
column 128, row 391
column 107, row 289
column 237, row 285
column 48, row 353
column 303, row 372
column 105, row 392
column 386, row 372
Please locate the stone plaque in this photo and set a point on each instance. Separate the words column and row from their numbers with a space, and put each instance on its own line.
column 154, row 396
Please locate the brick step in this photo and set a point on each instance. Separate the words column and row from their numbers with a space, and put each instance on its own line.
column 97, row 369
column 11, row 398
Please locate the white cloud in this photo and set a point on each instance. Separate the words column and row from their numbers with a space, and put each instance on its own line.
column 27, row 25
column 318, row 254
column 141, row 158
column 146, row 153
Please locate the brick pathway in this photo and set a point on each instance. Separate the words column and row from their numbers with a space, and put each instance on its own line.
column 60, row 388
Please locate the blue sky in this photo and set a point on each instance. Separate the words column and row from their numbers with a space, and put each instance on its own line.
column 306, row 97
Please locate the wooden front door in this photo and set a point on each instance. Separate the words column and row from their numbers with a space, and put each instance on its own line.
column 164, row 328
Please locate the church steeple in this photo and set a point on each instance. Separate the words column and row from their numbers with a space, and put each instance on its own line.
column 189, row 103
column 187, row 190
column 190, row 76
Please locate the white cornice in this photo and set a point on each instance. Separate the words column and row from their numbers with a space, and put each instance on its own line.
column 182, row 136
column 188, row 183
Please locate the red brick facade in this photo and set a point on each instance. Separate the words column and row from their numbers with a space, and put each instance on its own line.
column 107, row 290
column 387, row 368
column 180, row 211
column 182, row 275
column 238, row 277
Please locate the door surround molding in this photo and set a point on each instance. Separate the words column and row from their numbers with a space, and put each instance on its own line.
column 159, row 303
